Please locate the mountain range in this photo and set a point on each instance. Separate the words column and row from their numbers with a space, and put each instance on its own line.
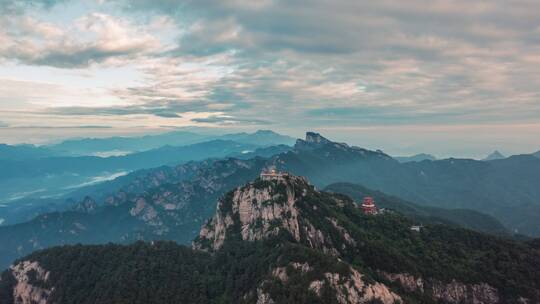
column 23, row 152
column 54, row 177
column 170, row 203
column 280, row 240
column 30, row 173
column 126, row 145
column 508, row 189
column 415, row 158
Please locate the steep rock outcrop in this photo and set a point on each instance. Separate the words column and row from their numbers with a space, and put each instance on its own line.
column 263, row 209
column 350, row 288
column 29, row 276
column 454, row 292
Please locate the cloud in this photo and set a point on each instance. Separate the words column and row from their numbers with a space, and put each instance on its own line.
column 167, row 115
column 60, row 127
column 93, row 38
column 230, row 120
column 384, row 62
column 19, row 6
column 159, row 108
column 299, row 64
column 3, row 125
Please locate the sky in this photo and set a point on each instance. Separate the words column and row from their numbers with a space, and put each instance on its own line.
column 451, row 78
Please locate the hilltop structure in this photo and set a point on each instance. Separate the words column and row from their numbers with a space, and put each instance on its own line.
column 273, row 174
column 368, row 206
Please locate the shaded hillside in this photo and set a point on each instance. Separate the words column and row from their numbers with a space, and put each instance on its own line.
column 421, row 214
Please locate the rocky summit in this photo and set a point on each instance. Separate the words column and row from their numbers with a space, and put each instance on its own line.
column 277, row 239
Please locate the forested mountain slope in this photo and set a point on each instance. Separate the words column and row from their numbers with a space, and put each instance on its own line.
column 282, row 241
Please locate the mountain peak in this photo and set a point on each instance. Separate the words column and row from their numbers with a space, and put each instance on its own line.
column 494, row 155
column 313, row 140
column 275, row 206
column 266, row 132
column 316, row 138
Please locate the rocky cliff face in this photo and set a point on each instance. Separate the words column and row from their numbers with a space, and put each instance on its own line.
column 29, row 277
column 264, row 209
column 348, row 288
column 260, row 210
column 453, row 292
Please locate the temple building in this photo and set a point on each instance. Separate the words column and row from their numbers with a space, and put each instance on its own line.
column 368, row 206
column 273, row 174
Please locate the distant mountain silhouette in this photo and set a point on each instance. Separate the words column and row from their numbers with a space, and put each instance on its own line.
column 494, row 155
column 415, row 158
column 53, row 176
column 24, row 152
column 32, row 172
column 97, row 146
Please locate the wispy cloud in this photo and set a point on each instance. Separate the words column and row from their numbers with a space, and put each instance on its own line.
column 165, row 109
column 60, row 127
column 230, row 120
column 93, row 38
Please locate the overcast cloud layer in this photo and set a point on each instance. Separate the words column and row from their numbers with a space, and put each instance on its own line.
column 419, row 75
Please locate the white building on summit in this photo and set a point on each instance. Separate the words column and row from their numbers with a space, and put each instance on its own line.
column 273, row 175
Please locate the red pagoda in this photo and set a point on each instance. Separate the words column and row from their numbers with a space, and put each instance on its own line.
column 368, row 206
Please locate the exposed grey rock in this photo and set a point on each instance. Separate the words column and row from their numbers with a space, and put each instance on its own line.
column 263, row 298
column 24, row 291
column 261, row 213
column 453, row 292
column 348, row 289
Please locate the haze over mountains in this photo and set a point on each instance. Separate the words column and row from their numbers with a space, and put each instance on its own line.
column 172, row 202
column 50, row 171
column 102, row 146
